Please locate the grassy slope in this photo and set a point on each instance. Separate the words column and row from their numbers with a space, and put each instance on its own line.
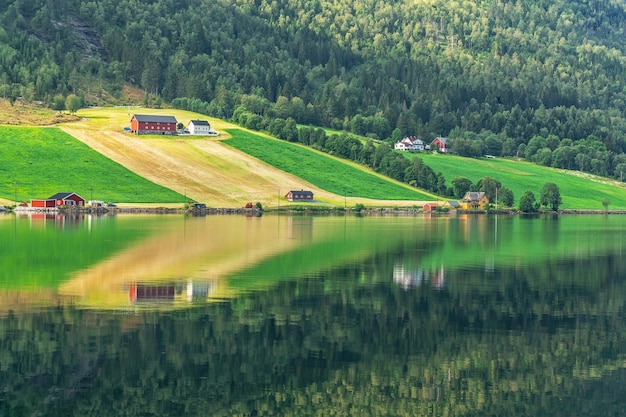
column 334, row 175
column 203, row 169
column 44, row 161
column 577, row 190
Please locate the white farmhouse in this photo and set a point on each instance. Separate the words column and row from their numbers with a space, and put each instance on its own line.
column 411, row 144
column 199, row 127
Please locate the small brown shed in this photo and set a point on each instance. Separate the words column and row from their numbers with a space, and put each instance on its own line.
column 302, row 195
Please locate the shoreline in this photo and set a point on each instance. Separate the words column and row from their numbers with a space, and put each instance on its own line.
column 288, row 210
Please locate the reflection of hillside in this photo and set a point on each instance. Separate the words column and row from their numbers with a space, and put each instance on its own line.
column 491, row 242
column 28, row 300
column 203, row 250
column 473, row 348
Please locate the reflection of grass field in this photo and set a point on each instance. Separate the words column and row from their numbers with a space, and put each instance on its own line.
column 540, row 242
column 37, row 253
column 577, row 191
column 447, row 243
column 44, row 161
column 336, row 176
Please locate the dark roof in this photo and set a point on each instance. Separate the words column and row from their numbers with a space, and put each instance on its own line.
column 200, row 122
column 61, row 196
column 454, row 203
column 301, row 192
column 146, row 118
column 442, row 140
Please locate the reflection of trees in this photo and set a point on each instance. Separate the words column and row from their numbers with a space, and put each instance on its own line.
column 515, row 342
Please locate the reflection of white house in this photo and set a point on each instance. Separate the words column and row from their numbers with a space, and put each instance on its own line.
column 407, row 278
column 411, row 144
column 199, row 290
column 200, row 127
column 413, row 278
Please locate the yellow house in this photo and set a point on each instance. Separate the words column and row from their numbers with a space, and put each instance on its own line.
column 474, row 201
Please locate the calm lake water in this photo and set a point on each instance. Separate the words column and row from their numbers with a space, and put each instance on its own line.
column 296, row 315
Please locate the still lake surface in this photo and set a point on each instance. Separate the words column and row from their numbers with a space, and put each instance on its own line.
column 300, row 315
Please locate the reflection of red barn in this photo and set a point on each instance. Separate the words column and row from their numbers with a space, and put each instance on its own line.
column 301, row 195
column 151, row 292
column 147, row 124
column 59, row 199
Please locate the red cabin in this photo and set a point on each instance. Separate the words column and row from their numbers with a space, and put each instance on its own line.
column 59, row 199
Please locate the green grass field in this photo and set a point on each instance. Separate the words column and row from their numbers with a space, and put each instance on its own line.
column 40, row 162
column 323, row 171
column 577, row 191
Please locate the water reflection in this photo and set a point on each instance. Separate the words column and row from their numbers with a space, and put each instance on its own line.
column 316, row 315
column 411, row 278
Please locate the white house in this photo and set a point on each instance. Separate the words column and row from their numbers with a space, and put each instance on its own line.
column 199, row 127
column 410, row 143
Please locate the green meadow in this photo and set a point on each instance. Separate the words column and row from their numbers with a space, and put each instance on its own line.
column 328, row 173
column 577, row 191
column 40, row 162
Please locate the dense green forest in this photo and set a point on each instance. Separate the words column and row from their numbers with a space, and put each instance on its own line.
column 535, row 79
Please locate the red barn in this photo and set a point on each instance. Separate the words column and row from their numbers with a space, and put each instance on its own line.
column 440, row 144
column 430, row 206
column 301, row 195
column 59, row 199
column 142, row 124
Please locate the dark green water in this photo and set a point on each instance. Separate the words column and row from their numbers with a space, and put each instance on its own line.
column 292, row 316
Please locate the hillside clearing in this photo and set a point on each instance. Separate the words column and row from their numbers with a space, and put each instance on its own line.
column 20, row 114
column 203, row 169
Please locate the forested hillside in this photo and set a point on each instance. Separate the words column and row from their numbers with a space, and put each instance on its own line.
column 538, row 79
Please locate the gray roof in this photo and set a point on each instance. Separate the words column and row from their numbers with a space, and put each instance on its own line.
column 61, row 196
column 156, row 119
column 454, row 203
column 473, row 196
column 200, row 122
column 302, row 192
